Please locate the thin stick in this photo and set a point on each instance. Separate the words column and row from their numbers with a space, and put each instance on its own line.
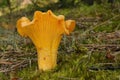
column 91, row 28
column 101, row 45
column 5, row 62
column 67, row 78
column 17, row 65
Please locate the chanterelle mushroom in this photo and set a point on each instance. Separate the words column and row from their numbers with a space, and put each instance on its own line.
column 45, row 30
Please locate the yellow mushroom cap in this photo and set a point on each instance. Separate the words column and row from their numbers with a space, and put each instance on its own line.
column 70, row 25
column 44, row 27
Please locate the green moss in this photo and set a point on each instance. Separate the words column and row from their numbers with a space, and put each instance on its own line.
column 74, row 65
column 70, row 66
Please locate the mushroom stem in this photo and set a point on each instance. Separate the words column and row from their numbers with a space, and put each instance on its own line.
column 47, row 59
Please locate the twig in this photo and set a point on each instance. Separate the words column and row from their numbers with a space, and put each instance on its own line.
column 101, row 45
column 91, row 28
column 105, row 63
column 67, row 78
column 5, row 62
column 6, row 52
column 17, row 65
column 2, row 71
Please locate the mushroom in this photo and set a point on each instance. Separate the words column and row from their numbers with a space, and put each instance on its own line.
column 45, row 31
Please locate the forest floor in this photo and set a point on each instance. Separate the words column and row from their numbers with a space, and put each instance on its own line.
column 84, row 55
